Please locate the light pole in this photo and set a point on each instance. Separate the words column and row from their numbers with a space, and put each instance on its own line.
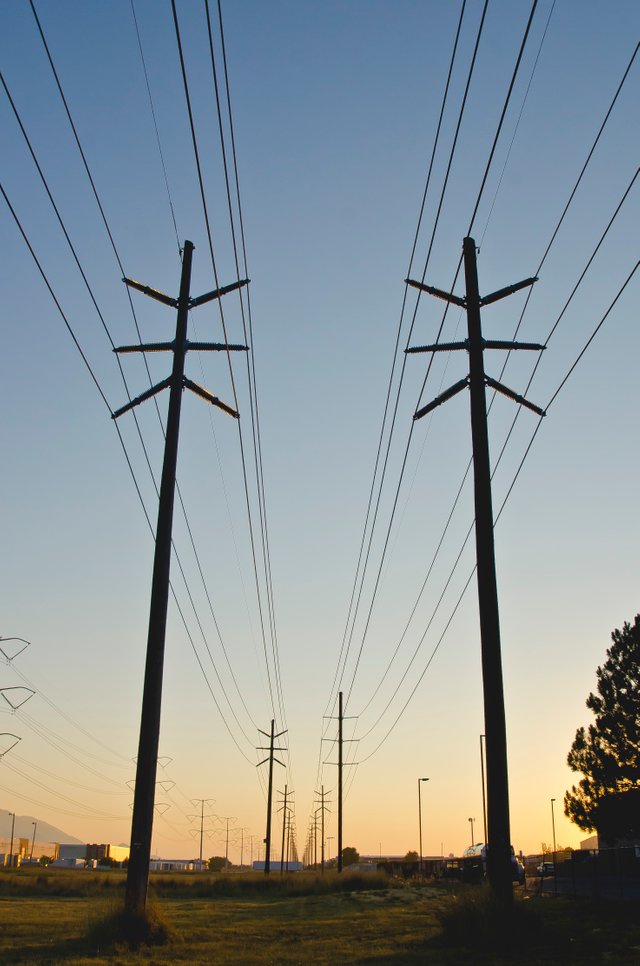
column 553, row 828
column 420, row 821
column 471, row 821
column 330, row 838
column 13, row 824
column 33, row 840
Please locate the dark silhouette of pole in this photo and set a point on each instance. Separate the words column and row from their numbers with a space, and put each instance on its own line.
column 13, row 825
column 271, row 749
column 143, row 804
column 340, row 783
column 284, row 827
column 471, row 821
column 420, row 821
column 201, row 802
column 33, row 840
column 323, row 808
column 227, row 819
column 499, row 837
column 340, row 742
column 484, row 797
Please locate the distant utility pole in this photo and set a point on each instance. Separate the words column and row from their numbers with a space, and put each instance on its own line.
column 227, row 819
column 271, row 749
column 286, row 810
column 201, row 802
column 499, row 837
column 142, row 822
column 341, row 741
column 13, row 826
column 323, row 808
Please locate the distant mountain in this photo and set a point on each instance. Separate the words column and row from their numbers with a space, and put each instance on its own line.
column 24, row 829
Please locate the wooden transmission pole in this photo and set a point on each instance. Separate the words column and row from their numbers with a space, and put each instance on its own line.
column 270, row 758
column 499, row 867
column 142, row 822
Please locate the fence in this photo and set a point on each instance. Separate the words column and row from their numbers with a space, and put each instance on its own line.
column 590, row 873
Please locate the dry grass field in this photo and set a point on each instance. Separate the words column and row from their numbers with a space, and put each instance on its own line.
column 65, row 917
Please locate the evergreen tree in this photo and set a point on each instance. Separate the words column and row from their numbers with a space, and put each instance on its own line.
column 607, row 754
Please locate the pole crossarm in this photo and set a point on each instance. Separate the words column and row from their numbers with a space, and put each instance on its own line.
column 264, row 760
column 499, row 387
column 181, row 345
column 209, row 397
column 486, row 344
column 507, row 290
column 170, row 346
column 273, row 736
column 500, row 344
column 153, row 293
column 8, row 734
column 439, row 347
column 217, row 293
column 142, row 397
column 4, row 653
column 147, row 347
column 442, row 398
column 438, row 292
column 12, row 704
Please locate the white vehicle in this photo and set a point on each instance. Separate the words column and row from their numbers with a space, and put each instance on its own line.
column 474, row 864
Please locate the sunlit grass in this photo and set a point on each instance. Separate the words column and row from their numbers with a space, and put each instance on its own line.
column 302, row 921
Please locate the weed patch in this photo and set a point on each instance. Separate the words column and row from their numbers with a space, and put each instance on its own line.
column 111, row 929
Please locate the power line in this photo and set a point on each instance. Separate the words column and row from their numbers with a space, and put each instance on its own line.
column 235, row 396
column 113, row 245
column 69, row 328
column 480, row 193
column 155, row 125
column 248, row 335
column 503, row 504
column 394, row 357
column 459, row 492
column 402, row 371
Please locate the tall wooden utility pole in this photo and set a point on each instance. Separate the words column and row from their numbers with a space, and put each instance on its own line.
column 499, row 839
column 323, row 809
column 270, row 759
column 285, row 818
column 142, row 822
column 341, row 741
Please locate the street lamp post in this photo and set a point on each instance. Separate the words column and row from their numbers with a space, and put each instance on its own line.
column 471, row 821
column 553, row 829
column 33, row 840
column 330, row 839
column 420, row 821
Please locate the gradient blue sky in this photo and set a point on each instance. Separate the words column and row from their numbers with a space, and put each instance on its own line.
column 335, row 110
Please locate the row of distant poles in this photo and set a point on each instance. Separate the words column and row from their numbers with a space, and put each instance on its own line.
column 499, row 839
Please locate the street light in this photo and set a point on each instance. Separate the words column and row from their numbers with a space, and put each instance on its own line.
column 471, row 821
column 553, row 827
column 420, row 821
column 330, row 839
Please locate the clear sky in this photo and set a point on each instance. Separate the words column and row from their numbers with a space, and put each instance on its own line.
column 335, row 109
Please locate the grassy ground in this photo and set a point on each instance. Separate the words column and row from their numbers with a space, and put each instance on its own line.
column 303, row 923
